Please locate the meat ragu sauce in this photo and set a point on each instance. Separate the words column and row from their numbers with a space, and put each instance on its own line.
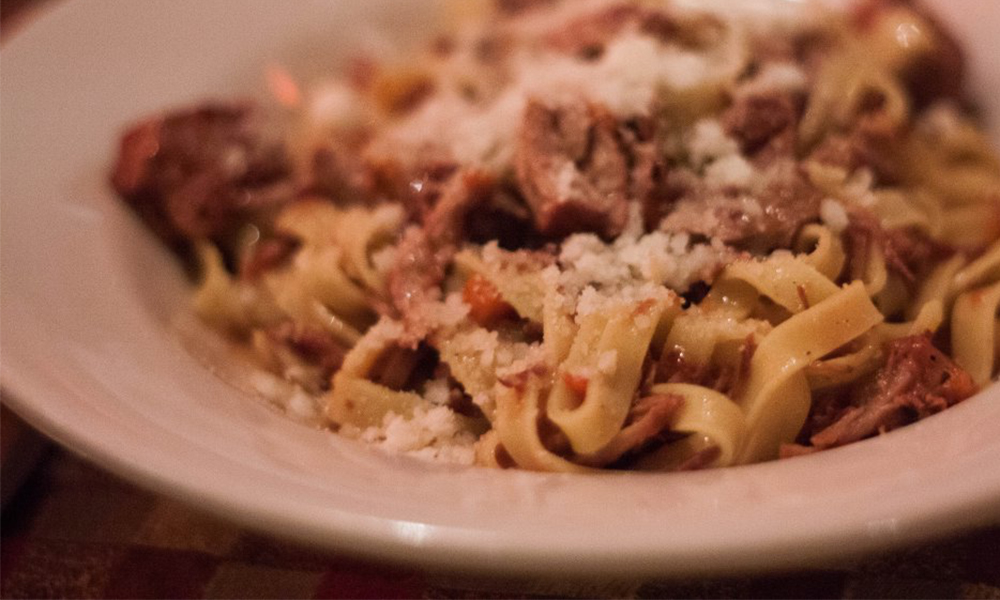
column 601, row 234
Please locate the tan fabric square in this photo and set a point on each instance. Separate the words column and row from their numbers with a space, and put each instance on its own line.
column 176, row 526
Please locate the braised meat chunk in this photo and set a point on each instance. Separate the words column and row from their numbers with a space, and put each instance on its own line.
column 758, row 220
column 202, row 172
column 572, row 169
column 918, row 380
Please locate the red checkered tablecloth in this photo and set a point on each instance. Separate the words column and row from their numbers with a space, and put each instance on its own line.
column 71, row 530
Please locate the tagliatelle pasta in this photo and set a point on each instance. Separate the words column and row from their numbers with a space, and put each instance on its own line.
column 602, row 234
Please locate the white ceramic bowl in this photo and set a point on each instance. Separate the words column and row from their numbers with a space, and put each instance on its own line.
column 90, row 356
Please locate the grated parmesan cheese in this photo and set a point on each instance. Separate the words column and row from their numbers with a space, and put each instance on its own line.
column 431, row 433
column 776, row 77
column 633, row 269
column 437, row 391
column 707, row 142
column 834, row 215
column 607, row 362
column 631, row 73
column 732, row 171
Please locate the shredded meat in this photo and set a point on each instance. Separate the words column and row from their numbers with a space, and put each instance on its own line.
column 401, row 368
column 424, row 189
column 505, row 218
column 424, row 251
column 918, row 380
column 729, row 379
column 311, row 344
column 647, row 419
column 672, row 185
column 757, row 120
column 907, row 251
column 466, row 190
column 572, row 169
column 756, row 222
column 338, row 172
column 414, row 282
column 873, row 142
column 268, row 254
column 395, row 366
column 701, row 459
column 442, row 198
column 648, row 181
column 203, row 171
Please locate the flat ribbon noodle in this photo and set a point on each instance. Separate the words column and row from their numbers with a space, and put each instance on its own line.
column 623, row 333
column 973, row 331
column 522, row 289
column 517, row 416
column 466, row 358
column 897, row 209
column 226, row 302
column 827, row 255
column 844, row 369
column 558, row 327
column 360, row 232
column 928, row 320
column 364, row 403
column 777, row 398
column 937, row 286
column 850, row 367
column 696, row 335
column 709, row 414
column 789, row 281
column 356, row 400
column 984, row 269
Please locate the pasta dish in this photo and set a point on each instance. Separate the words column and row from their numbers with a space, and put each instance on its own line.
column 588, row 234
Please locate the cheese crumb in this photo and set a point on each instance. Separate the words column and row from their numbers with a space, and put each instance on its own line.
column 607, row 362
column 434, row 433
column 834, row 216
column 732, row 171
column 777, row 77
column 708, row 141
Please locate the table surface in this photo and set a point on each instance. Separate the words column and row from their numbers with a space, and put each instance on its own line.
column 70, row 530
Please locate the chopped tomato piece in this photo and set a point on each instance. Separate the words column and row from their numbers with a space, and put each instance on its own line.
column 576, row 383
column 486, row 305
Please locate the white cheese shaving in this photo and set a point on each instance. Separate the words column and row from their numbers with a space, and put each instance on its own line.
column 833, row 215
